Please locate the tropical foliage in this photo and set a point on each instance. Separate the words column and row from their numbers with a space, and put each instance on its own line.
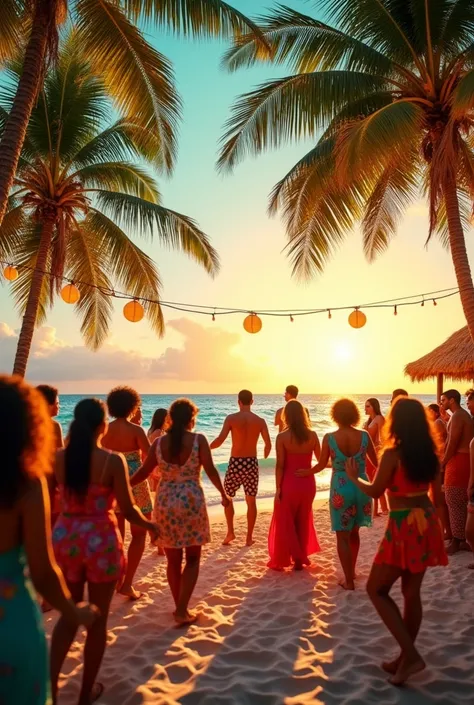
column 386, row 90
column 82, row 192
column 139, row 78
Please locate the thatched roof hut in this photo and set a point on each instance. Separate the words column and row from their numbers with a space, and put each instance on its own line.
column 453, row 359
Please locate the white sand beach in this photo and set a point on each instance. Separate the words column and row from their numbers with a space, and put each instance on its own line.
column 268, row 638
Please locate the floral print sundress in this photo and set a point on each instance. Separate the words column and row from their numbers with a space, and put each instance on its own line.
column 180, row 506
column 24, row 667
column 349, row 506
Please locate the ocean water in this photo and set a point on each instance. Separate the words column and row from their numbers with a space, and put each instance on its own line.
column 214, row 408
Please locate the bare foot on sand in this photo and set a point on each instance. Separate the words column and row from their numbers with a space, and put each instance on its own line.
column 188, row 617
column 228, row 539
column 391, row 666
column 406, row 669
column 249, row 542
column 346, row 584
column 130, row 592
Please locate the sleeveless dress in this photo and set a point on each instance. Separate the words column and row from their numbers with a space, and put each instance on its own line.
column 180, row 506
column 370, row 469
column 413, row 539
column 349, row 506
column 86, row 540
column 24, row 666
column 141, row 492
column 292, row 536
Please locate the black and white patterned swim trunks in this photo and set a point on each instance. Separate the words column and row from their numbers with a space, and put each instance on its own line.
column 242, row 471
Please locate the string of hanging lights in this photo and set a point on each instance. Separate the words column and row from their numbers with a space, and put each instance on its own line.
column 134, row 309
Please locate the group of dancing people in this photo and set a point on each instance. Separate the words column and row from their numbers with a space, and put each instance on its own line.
column 106, row 473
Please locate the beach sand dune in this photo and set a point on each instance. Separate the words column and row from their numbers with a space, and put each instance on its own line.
column 268, row 638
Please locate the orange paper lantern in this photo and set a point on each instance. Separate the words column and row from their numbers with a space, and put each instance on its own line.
column 253, row 324
column 10, row 273
column 357, row 319
column 70, row 294
column 133, row 311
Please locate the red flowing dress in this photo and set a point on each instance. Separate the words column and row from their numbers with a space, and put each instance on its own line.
column 292, row 536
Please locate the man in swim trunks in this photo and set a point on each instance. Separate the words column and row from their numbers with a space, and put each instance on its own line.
column 291, row 392
column 245, row 428
column 456, row 467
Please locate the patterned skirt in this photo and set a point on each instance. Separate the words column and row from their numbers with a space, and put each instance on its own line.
column 348, row 505
column 181, row 514
column 413, row 540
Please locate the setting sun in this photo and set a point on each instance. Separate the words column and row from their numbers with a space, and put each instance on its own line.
column 343, row 352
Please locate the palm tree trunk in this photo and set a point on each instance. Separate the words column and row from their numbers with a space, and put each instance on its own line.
column 32, row 305
column 459, row 253
column 28, row 87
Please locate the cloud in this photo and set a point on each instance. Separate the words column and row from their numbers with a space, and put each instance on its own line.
column 207, row 356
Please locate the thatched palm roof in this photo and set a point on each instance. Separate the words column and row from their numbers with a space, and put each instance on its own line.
column 453, row 359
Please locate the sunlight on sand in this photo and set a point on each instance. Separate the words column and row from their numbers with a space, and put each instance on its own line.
column 272, row 638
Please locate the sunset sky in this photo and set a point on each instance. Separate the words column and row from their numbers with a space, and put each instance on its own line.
column 197, row 355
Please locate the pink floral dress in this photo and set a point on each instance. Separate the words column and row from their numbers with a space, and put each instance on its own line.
column 180, row 506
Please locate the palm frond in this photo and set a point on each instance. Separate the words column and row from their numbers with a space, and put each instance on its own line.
column 133, row 271
column 120, row 177
column 368, row 145
column 290, row 108
column 458, row 28
column 386, row 25
column 463, row 95
column 11, row 231
column 138, row 77
column 197, row 18
column 175, row 231
column 396, row 187
column 95, row 305
column 306, row 44
column 123, row 140
column 10, row 28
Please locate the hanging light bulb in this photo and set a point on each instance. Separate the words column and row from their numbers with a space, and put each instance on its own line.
column 292, row 319
column 252, row 323
column 70, row 294
column 133, row 311
column 395, row 311
column 423, row 303
column 329, row 314
column 213, row 316
column 10, row 273
column 434, row 302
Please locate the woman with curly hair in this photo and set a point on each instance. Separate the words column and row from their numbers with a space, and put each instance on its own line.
column 409, row 470
column 124, row 436
column 350, row 509
column 27, row 442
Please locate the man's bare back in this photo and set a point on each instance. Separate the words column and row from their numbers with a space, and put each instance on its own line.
column 245, row 428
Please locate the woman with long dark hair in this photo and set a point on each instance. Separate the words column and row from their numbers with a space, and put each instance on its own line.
column 159, row 424
column 86, row 538
column 374, row 427
column 27, row 442
column 125, row 436
column 408, row 471
column 180, row 506
column 292, row 537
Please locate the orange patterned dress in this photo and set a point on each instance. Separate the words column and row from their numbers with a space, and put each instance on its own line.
column 180, row 506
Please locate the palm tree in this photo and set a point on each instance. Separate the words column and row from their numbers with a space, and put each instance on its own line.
column 139, row 78
column 387, row 92
column 77, row 198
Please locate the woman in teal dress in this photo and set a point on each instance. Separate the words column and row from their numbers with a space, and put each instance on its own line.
column 26, row 439
column 350, row 508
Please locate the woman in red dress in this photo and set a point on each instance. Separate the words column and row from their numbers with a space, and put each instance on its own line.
column 292, row 537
